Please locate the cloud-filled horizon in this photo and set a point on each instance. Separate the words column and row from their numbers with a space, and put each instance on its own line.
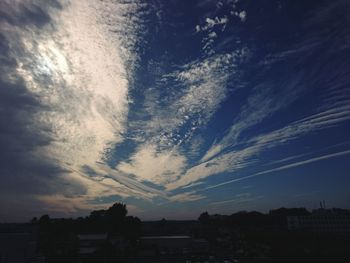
column 172, row 107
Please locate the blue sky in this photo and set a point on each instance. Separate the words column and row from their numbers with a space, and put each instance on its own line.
column 173, row 107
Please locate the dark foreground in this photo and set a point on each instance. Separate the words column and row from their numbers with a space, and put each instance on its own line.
column 282, row 235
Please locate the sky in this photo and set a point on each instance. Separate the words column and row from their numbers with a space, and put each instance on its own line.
column 173, row 107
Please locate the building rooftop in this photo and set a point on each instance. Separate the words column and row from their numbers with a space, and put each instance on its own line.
column 165, row 237
column 92, row 237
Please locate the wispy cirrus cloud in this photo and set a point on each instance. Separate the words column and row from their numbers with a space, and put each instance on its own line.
column 284, row 167
column 168, row 118
column 240, row 146
column 234, row 160
column 174, row 117
column 239, row 198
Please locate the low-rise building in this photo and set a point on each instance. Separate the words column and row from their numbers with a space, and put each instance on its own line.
column 17, row 243
column 153, row 245
column 89, row 243
column 321, row 221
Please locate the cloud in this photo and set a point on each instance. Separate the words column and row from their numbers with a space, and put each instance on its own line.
column 241, row 147
column 242, row 15
column 258, row 108
column 195, row 145
column 66, row 71
column 186, row 197
column 239, row 198
column 210, row 23
column 135, row 187
column 235, row 160
column 24, row 173
column 226, row 162
column 270, row 98
column 32, row 12
column 212, row 35
column 284, row 167
column 68, row 106
column 213, row 26
column 172, row 113
column 209, row 39
column 174, row 116
column 151, row 165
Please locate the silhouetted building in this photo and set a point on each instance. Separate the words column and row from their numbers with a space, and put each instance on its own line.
column 200, row 246
column 89, row 244
column 321, row 221
column 17, row 244
column 154, row 245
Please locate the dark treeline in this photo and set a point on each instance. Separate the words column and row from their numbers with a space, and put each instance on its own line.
column 247, row 236
column 58, row 238
column 113, row 221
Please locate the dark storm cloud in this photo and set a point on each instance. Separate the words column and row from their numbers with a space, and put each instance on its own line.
column 23, row 174
column 32, row 13
column 20, row 170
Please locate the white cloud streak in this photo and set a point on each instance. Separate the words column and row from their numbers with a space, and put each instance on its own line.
column 284, row 167
column 235, row 160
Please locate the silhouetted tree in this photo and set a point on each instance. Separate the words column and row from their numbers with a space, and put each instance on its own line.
column 162, row 222
column 44, row 222
column 115, row 217
column 204, row 217
column 98, row 214
column 44, row 219
column 117, row 211
column 58, row 237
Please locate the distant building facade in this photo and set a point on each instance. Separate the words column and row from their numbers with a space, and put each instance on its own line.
column 153, row 245
column 89, row 243
column 172, row 245
column 321, row 221
column 18, row 244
